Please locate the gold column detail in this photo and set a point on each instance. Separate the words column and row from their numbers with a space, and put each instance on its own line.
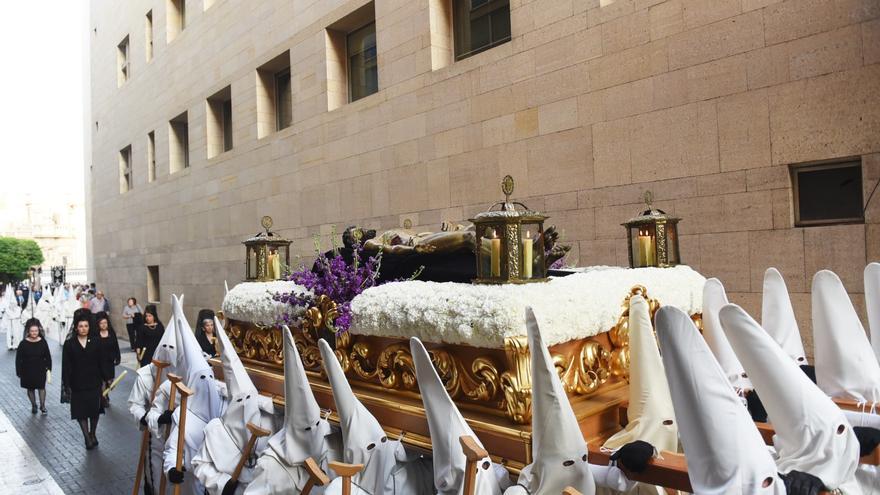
column 516, row 382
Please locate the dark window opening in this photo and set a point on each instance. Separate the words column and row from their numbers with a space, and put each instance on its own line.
column 828, row 193
column 479, row 25
column 363, row 68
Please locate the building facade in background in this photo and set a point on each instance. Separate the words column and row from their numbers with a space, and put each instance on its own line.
column 756, row 121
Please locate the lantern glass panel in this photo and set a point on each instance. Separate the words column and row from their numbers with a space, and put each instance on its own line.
column 251, row 262
column 532, row 251
column 491, row 245
column 284, row 257
column 672, row 243
column 644, row 247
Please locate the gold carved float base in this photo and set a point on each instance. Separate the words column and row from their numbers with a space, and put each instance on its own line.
column 492, row 387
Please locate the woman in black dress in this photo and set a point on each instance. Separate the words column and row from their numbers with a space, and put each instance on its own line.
column 110, row 356
column 149, row 334
column 81, row 376
column 32, row 361
column 205, row 333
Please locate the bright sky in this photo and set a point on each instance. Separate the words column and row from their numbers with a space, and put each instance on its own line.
column 42, row 55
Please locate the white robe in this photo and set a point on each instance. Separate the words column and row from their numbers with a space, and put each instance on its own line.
column 138, row 404
column 219, row 455
column 273, row 476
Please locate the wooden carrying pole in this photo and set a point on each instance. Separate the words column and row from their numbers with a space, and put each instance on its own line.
column 473, row 452
column 316, row 476
column 346, row 471
column 185, row 393
column 174, row 379
column 145, row 436
column 256, row 432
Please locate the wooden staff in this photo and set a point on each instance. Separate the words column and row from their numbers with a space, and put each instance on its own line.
column 346, row 471
column 185, row 393
column 317, row 477
column 256, row 432
column 570, row 491
column 174, row 379
column 113, row 385
column 145, row 436
column 473, row 453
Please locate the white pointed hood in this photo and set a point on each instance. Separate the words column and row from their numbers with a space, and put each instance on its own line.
column 243, row 406
column 714, row 298
column 650, row 415
column 447, row 425
column 812, row 434
column 872, row 304
column 558, row 447
column 725, row 452
column 304, row 431
column 206, row 402
column 363, row 439
column 167, row 350
column 777, row 316
column 845, row 364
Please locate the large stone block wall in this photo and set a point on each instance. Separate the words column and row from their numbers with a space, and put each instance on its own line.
column 704, row 102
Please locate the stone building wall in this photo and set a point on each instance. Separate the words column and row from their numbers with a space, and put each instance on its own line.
column 704, row 102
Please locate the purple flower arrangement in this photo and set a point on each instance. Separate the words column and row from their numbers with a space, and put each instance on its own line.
column 331, row 276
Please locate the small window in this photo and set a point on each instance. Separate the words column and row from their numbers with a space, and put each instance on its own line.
column 175, row 18
column 283, row 97
column 123, row 72
column 828, row 193
column 178, row 143
column 363, row 69
column 153, row 294
column 151, row 156
column 219, row 113
column 125, row 179
column 480, row 25
column 148, row 35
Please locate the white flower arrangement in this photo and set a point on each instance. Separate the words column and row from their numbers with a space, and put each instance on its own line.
column 253, row 302
column 573, row 307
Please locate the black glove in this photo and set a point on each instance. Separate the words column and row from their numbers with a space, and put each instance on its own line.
column 868, row 437
column 230, row 487
column 144, row 419
column 798, row 483
column 165, row 417
column 756, row 408
column 634, row 456
column 810, row 371
column 176, row 476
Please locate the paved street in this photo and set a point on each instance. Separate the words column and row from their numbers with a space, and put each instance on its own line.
column 55, row 440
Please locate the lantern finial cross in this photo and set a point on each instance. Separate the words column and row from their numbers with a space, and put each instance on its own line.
column 649, row 198
column 507, row 187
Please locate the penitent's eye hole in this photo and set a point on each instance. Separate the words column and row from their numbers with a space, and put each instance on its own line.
column 171, row 346
column 568, row 463
column 767, row 482
column 371, row 446
column 239, row 399
column 248, row 397
column 308, row 428
column 485, row 465
column 841, row 429
column 667, row 422
column 384, row 439
column 202, row 377
column 584, row 457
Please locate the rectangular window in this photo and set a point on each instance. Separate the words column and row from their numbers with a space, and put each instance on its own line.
column 219, row 125
column 123, row 71
column 148, row 35
column 178, row 143
column 175, row 18
column 274, row 96
column 125, row 178
column 153, row 293
column 363, row 69
column 480, row 25
column 151, row 156
column 283, row 97
column 828, row 193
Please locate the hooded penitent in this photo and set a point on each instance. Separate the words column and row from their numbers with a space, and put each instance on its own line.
column 777, row 316
column 872, row 304
column 386, row 463
column 447, row 425
column 305, row 431
column 650, row 415
column 558, row 447
column 812, row 433
column 167, row 351
column 725, row 452
column 845, row 364
column 714, row 298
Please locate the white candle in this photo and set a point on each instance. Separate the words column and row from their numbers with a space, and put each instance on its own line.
column 527, row 255
column 646, row 249
column 495, row 244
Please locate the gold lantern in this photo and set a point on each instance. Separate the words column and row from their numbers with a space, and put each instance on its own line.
column 509, row 242
column 266, row 254
column 652, row 238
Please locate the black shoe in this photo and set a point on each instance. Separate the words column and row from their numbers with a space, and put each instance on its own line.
column 94, row 439
column 44, row 411
column 33, row 409
column 90, row 445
